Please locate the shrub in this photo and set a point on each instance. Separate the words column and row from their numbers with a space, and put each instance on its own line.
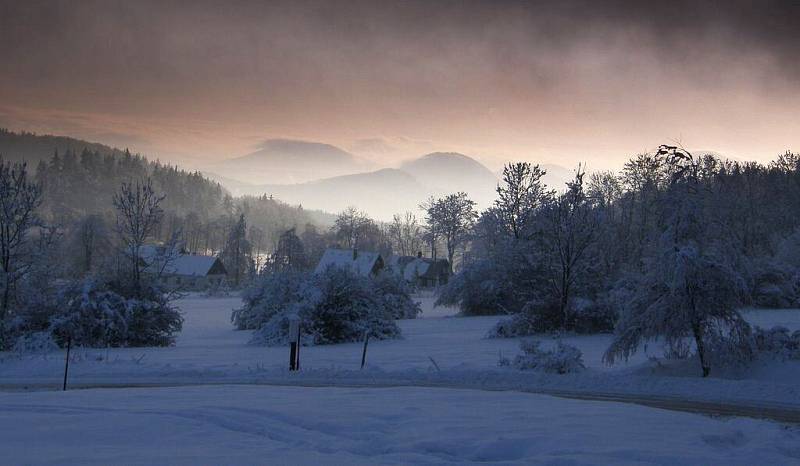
column 270, row 295
column 91, row 314
column 334, row 306
column 774, row 286
column 777, row 341
column 36, row 342
column 586, row 316
column 481, row 288
column 500, row 284
column 395, row 293
column 563, row 359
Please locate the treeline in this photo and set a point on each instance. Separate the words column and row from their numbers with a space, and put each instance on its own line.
column 668, row 248
column 78, row 180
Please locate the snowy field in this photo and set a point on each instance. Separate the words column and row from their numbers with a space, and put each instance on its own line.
column 208, row 349
column 434, row 397
column 283, row 425
column 437, row 350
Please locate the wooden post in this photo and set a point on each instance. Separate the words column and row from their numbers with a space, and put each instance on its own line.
column 297, row 352
column 66, row 364
column 294, row 344
column 364, row 353
column 292, row 356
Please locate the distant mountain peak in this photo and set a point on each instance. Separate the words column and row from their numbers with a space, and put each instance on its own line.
column 443, row 161
column 445, row 155
column 290, row 161
column 292, row 145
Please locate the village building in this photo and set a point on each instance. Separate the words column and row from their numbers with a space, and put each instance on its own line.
column 179, row 270
column 364, row 263
column 420, row 271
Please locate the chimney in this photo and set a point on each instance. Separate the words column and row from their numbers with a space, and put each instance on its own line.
column 419, row 254
column 355, row 253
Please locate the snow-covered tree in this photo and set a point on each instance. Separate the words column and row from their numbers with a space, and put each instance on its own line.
column 334, row 306
column 290, row 253
column 237, row 255
column 453, row 217
column 688, row 288
column 684, row 293
column 569, row 231
column 91, row 314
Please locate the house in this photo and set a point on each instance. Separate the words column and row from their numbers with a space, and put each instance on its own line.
column 364, row 263
column 420, row 271
column 182, row 271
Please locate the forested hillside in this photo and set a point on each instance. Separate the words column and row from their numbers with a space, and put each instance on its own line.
column 79, row 179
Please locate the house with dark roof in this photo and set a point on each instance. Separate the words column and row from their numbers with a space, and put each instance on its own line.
column 420, row 271
column 365, row 263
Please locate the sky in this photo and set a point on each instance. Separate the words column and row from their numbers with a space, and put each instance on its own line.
column 549, row 82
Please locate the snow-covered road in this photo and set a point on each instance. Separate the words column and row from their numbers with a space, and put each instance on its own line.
column 292, row 425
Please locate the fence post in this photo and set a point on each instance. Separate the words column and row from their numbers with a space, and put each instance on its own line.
column 364, row 353
column 297, row 351
column 294, row 344
column 66, row 364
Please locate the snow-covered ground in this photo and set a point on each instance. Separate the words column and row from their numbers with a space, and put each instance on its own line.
column 437, row 349
column 295, row 425
column 436, row 396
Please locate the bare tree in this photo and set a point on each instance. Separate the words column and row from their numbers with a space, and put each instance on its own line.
column 432, row 230
column 570, row 230
column 257, row 240
column 454, row 217
column 91, row 236
column 520, row 195
column 351, row 226
column 138, row 215
column 19, row 199
column 406, row 234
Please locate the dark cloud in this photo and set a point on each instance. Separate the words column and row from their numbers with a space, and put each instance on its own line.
column 525, row 73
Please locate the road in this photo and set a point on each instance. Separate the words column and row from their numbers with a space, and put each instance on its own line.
column 756, row 410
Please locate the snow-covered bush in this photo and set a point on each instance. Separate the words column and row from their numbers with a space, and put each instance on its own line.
column 271, row 294
column 775, row 285
column 36, row 342
column 501, row 283
column 591, row 316
column 335, row 306
column 778, row 341
column 563, row 359
column 586, row 316
column 481, row 288
column 396, row 295
column 92, row 314
column 218, row 290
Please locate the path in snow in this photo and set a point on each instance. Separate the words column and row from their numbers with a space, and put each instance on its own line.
column 257, row 425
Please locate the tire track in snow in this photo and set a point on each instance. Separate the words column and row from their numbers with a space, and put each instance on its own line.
column 755, row 410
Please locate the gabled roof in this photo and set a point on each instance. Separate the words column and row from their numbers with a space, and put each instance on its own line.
column 194, row 266
column 410, row 267
column 416, row 268
column 179, row 264
column 363, row 263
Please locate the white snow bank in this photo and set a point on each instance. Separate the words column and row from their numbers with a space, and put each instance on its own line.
column 269, row 425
